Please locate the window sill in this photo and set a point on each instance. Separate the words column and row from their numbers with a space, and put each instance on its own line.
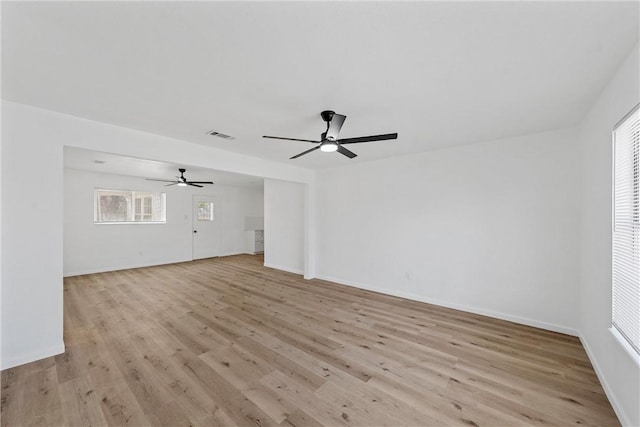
column 631, row 352
column 130, row 223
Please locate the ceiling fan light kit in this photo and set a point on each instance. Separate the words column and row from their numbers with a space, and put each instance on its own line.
column 181, row 181
column 329, row 146
column 329, row 141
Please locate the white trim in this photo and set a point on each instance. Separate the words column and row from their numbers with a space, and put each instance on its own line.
column 128, row 222
column 626, row 116
column 233, row 253
column 617, row 407
column 287, row 269
column 32, row 356
column 118, row 268
column 469, row 309
column 154, row 264
column 631, row 352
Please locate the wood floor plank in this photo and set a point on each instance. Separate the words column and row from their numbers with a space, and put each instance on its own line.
column 240, row 409
column 81, row 406
column 42, row 405
column 297, row 372
column 118, row 404
column 325, row 413
column 299, row 418
column 228, row 342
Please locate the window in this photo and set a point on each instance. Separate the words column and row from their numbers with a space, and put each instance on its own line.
column 122, row 206
column 205, row 211
column 143, row 211
column 626, row 228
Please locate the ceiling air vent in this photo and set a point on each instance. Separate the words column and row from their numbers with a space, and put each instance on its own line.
column 219, row 134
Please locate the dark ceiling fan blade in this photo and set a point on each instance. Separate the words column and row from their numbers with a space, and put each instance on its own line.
column 161, row 180
column 289, row 139
column 304, row 152
column 349, row 154
column 368, row 138
column 334, row 127
column 181, row 180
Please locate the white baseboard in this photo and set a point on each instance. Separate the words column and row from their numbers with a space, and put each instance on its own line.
column 128, row 267
column 287, row 269
column 32, row 356
column 232, row 253
column 617, row 407
column 121, row 267
column 476, row 310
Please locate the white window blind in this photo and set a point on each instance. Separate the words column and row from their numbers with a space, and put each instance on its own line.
column 626, row 228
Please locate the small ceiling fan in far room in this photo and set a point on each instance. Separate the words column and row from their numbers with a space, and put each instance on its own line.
column 181, row 181
column 329, row 139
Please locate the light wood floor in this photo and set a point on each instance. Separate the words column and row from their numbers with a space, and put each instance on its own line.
column 226, row 341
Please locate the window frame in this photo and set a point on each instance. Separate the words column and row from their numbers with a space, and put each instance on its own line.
column 134, row 214
column 620, row 335
column 211, row 216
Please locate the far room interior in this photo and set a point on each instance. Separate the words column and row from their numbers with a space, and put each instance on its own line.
column 320, row 213
column 234, row 223
column 206, row 221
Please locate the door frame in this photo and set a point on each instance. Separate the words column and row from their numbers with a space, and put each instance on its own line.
column 216, row 223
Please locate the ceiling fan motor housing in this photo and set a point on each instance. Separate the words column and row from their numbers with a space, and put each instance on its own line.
column 327, row 115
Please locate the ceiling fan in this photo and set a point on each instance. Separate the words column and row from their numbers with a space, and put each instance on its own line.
column 329, row 139
column 181, row 181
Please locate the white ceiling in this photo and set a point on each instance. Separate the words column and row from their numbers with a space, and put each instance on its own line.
column 94, row 161
column 438, row 73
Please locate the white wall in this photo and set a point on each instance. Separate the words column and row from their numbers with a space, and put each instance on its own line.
column 1, row 239
column 619, row 374
column 90, row 248
column 31, row 241
column 490, row 228
column 284, row 225
column 32, row 212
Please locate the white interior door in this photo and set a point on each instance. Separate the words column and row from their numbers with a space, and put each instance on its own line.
column 206, row 233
